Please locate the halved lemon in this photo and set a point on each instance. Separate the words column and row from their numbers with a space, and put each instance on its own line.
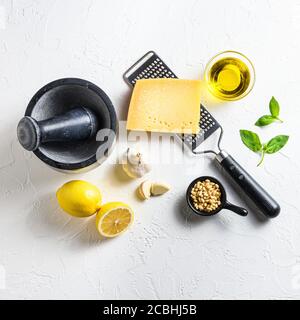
column 113, row 219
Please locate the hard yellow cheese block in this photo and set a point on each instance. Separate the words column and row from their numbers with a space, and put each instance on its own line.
column 165, row 105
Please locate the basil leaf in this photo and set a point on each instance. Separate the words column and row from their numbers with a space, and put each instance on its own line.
column 265, row 120
column 251, row 140
column 276, row 144
column 274, row 107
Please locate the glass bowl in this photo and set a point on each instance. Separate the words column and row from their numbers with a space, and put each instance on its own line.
column 240, row 60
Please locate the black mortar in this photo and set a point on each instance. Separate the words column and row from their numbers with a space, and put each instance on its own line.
column 58, row 98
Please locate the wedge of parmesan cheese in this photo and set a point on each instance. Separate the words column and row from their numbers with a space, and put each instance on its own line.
column 165, row 105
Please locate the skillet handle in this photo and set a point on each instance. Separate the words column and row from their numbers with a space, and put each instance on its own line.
column 260, row 197
column 239, row 210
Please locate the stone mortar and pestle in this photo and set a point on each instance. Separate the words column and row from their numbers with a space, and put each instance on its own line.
column 61, row 123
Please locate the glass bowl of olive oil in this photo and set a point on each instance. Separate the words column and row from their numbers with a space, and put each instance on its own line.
column 229, row 75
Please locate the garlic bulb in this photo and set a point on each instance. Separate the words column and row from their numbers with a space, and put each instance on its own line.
column 135, row 164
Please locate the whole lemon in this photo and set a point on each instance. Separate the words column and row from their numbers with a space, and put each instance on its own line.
column 79, row 198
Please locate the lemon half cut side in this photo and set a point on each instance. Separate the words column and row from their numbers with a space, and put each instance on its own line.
column 113, row 219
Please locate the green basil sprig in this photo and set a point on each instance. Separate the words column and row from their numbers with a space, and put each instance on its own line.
column 252, row 141
column 270, row 118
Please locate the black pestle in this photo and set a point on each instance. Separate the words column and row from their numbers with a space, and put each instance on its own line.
column 77, row 124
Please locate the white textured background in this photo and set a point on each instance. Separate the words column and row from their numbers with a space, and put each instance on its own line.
column 167, row 253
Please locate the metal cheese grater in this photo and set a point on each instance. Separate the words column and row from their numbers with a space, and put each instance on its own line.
column 151, row 66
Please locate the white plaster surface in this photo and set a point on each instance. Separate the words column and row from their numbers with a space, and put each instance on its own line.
column 168, row 253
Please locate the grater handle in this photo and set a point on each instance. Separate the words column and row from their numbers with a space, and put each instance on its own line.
column 260, row 197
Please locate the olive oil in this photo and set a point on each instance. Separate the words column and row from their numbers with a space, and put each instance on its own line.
column 229, row 76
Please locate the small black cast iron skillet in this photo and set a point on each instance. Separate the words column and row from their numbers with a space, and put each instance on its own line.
column 224, row 203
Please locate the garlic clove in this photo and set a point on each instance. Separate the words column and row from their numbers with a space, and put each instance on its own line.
column 158, row 189
column 145, row 189
column 140, row 194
